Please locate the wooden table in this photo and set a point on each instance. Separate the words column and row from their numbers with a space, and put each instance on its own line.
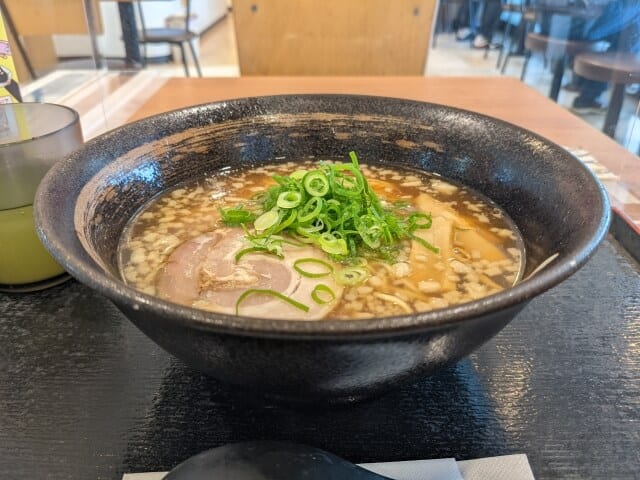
column 501, row 97
column 618, row 68
column 85, row 395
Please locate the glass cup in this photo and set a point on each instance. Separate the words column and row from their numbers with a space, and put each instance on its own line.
column 33, row 136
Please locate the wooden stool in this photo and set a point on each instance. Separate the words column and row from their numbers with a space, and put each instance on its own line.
column 557, row 49
column 618, row 68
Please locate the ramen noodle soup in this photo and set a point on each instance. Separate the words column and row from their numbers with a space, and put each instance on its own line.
column 313, row 240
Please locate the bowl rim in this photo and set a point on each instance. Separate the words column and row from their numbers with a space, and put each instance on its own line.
column 126, row 297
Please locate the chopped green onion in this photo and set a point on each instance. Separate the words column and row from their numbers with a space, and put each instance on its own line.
column 288, row 221
column 349, row 186
column 419, row 220
column 425, row 244
column 311, row 209
column 332, row 245
column 316, row 183
column 245, row 251
column 309, row 230
column 316, row 261
column 332, row 207
column 236, row 215
column 267, row 220
column 351, row 275
column 319, row 291
column 273, row 293
column 289, row 199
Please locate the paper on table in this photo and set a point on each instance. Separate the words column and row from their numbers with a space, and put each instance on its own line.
column 439, row 469
column 508, row 467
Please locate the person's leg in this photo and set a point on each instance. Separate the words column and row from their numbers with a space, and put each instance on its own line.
column 462, row 16
column 489, row 23
column 590, row 91
column 461, row 24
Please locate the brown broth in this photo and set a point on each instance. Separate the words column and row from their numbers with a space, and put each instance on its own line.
column 481, row 251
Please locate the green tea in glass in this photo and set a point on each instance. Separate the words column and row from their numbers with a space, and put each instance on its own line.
column 33, row 136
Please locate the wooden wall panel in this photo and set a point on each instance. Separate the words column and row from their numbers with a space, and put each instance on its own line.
column 333, row 37
column 46, row 17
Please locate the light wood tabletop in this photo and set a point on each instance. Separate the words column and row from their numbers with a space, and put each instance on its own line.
column 502, row 97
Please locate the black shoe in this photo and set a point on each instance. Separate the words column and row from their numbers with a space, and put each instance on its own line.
column 571, row 87
column 587, row 105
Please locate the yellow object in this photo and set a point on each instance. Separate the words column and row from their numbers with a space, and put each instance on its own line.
column 9, row 85
column 23, row 259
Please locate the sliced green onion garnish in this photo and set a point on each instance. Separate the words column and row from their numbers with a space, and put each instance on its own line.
column 332, row 245
column 305, row 273
column 245, row 251
column 322, row 294
column 316, row 183
column 351, row 275
column 273, row 293
column 267, row 220
column 236, row 215
column 425, row 244
column 311, row 209
column 289, row 199
column 350, row 186
column 287, row 221
column 419, row 220
column 309, row 230
column 332, row 207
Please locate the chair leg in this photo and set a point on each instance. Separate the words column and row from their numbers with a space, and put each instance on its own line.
column 505, row 63
column 195, row 58
column 184, row 60
column 505, row 37
column 144, row 55
column 613, row 112
column 527, row 57
column 556, row 81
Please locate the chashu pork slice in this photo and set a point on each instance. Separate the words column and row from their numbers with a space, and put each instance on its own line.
column 203, row 273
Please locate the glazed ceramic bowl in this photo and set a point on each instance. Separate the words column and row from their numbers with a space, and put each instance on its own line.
column 85, row 202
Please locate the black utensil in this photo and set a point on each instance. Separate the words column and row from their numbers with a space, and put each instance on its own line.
column 268, row 461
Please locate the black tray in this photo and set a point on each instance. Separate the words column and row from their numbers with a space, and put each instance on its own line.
column 85, row 395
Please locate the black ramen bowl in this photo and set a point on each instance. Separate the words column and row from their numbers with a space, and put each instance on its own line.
column 86, row 200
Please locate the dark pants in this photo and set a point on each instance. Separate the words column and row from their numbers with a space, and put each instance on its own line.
column 466, row 16
column 490, row 18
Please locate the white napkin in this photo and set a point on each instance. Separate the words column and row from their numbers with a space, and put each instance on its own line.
column 508, row 467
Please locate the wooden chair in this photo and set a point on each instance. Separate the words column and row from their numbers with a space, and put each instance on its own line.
column 172, row 36
column 555, row 49
column 333, row 37
column 616, row 67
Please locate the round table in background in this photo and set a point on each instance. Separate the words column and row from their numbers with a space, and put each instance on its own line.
column 616, row 67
